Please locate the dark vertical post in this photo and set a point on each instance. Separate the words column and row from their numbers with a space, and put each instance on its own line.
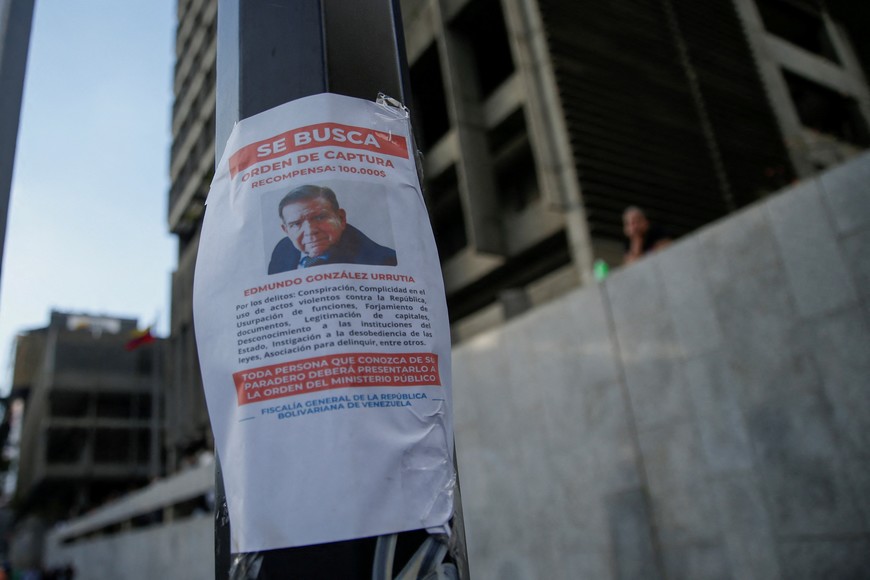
column 269, row 53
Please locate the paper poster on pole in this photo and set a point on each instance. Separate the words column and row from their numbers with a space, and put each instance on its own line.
column 322, row 329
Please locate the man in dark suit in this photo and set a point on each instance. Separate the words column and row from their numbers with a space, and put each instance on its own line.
column 318, row 233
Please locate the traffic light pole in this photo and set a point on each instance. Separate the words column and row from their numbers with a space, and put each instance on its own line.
column 270, row 53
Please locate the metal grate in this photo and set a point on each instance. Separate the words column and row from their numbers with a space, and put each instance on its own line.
column 655, row 106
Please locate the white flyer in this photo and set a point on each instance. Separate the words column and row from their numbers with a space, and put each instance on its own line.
column 322, row 329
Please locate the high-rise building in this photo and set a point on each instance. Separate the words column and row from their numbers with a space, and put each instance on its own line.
column 538, row 134
column 15, row 23
column 540, row 121
column 191, row 169
column 91, row 424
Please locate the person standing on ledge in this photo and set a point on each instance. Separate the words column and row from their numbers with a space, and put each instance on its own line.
column 318, row 233
column 642, row 237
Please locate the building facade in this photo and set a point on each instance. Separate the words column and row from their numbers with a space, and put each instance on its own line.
column 15, row 23
column 536, row 135
column 91, row 422
column 191, row 169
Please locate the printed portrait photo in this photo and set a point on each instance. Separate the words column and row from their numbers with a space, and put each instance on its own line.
column 327, row 222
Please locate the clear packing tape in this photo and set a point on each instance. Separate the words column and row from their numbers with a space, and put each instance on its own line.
column 414, row 555
column 431, row 561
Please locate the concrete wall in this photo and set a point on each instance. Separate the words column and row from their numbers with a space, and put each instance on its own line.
column 702, row 414
column 178, row 551
column 181, row 549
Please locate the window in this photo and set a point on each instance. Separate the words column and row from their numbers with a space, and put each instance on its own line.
column 799, row 24
column 826, row 110
column 68, row 404
column 66, row 445
column 511, row 151
column 113, row 405
column 112, row 446
column 481, row 24
column 445, row 209
column 429, row 108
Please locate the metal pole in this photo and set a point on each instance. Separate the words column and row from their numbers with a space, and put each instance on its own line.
column 269, row 53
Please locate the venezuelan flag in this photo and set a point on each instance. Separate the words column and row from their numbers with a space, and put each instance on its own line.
column 139, row 337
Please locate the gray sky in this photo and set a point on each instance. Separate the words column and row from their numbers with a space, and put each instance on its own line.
column 87, row 226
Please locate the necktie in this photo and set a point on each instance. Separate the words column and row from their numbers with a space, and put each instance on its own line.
column 309, row 261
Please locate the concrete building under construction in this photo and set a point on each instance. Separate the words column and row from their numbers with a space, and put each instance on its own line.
column 91, row 422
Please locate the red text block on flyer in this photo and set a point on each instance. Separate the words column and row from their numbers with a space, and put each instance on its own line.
column 337, row 371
